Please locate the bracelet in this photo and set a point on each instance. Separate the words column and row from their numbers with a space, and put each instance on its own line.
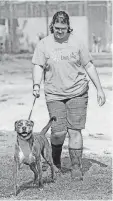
column 35, row 85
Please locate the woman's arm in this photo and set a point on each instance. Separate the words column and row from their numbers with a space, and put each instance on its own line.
column 92, row 72
column 37, row 74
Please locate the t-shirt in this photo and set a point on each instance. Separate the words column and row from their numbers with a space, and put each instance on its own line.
column 64, row 72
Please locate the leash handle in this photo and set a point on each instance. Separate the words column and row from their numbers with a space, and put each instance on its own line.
column 32, row 108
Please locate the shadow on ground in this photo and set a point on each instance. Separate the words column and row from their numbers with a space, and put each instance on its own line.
column 94, row 170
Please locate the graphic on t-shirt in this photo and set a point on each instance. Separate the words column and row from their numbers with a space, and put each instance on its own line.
column 61, row 54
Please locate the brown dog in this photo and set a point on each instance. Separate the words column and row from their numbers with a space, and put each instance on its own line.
column 29, row 148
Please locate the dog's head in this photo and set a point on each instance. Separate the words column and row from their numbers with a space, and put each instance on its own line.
column 24, row 127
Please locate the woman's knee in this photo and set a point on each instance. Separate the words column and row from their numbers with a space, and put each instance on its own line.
column 73, row 133
column 58, row 137
column 75, row 138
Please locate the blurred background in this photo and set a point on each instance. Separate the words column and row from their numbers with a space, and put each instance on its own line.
column 22, row 23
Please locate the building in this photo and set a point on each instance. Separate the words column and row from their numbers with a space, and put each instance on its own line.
column 88, row 17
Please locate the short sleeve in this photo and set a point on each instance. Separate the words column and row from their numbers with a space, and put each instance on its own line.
column 85, row 56
column 39, row 56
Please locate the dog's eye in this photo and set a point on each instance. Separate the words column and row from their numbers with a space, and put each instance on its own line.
column 19, row 124
column 28, row 124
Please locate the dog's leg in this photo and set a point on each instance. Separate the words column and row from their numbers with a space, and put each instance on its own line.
column 15, row 174
column 34, row 169
column 48, row 157
column 39, row 167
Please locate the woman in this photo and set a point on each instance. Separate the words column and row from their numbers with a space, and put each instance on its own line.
column 65, row 61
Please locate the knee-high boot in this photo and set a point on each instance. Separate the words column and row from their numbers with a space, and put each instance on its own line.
column 76, row 162
column 56, row 155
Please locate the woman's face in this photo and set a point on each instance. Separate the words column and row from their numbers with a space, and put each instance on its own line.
column 60, row 30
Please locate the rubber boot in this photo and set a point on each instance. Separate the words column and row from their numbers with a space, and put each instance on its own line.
column 76, row 163
column 56, row 155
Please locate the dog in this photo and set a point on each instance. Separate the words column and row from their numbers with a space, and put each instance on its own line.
column 29, row 148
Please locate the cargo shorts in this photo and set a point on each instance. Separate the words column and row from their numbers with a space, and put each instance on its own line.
column 70, row 113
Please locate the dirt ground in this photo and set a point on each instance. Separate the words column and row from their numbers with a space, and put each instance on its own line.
column 16, row 102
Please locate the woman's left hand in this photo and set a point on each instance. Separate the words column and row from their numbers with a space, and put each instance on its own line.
column 101, row 97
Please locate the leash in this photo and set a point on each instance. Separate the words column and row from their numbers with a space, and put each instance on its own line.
column 32, row 108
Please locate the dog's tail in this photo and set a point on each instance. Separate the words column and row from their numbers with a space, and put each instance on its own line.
column 46, row 128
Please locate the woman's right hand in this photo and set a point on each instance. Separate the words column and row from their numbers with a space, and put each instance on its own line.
column 36, row 90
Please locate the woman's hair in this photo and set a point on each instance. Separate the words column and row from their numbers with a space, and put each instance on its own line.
column 61, row 17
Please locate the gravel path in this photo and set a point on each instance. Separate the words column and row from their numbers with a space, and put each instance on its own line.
column 15, row 103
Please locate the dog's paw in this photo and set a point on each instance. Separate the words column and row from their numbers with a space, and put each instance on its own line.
column 40, row 184
column 53, row 179
column 53, row 118
column 35, row 182
column 15, row 191
column 57, row 170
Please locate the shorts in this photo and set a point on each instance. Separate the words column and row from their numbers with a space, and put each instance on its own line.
column 70, row 113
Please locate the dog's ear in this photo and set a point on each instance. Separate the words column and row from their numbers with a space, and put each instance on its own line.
column 32, row 123
column 15, row 124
